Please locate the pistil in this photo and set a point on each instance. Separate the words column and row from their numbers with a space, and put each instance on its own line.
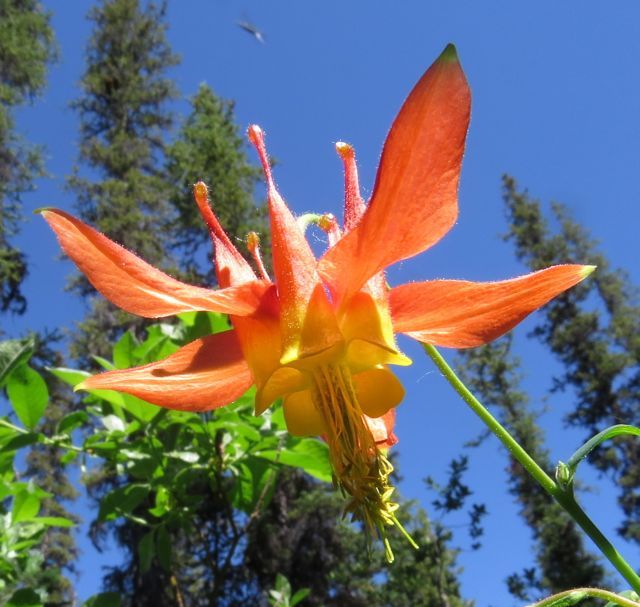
column 361, row 470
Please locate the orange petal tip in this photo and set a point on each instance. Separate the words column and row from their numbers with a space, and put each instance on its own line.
column 587, row 271
column 81, row 386
column 41, row 210
column 448, row 55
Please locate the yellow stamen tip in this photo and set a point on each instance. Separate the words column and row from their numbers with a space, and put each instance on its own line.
column 201, row 191
column 345, row 150
column 327, row 222
column 255, row 134
column 253, row 241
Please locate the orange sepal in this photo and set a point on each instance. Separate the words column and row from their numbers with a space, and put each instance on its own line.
column 137, row 287
column 414, row 201
column 307, row 321
column 203, row 375
column 463, row 314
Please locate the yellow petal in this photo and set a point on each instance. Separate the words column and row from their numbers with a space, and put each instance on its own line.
column 282, row 381
column 378, row 391
column 301, row 415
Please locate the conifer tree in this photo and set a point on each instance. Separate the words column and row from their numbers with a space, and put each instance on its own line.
column 301, row 536
column 594, row 330
column 26, row 49
column 561, row 559
column 210, row 148
column 124, row 122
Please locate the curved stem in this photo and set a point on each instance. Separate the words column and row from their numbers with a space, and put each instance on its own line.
column 566, row 500
column 579, row 594
column 592, row 443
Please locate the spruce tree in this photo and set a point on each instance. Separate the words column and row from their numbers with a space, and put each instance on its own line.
column 124, row 118
column 594, row 331
column 26, row 49
column 561, row 559
column 209, row 147
column 301, row 535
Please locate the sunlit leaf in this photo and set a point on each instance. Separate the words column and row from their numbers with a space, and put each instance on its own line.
column 14, row 353
column 54, row 521
column 28, row 395
column 309, row 454
column 26, row 505
column 123, row 356
column 69, row 376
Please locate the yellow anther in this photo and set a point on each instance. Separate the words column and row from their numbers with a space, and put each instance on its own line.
column 345, row 150
column 253, row 242
column 201, row 192
column 327, row 222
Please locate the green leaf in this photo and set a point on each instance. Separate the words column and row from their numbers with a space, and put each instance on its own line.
column 25, row 507
column 123, row 357
column 299, row 596
column 156, row 346
column 113, row 423
column 54, row 521
column 163, row 548
column 146, row 551
column 28, row 395
column 25, row 597
column 122, row 501
column 21, row 440
column 189, row 457
column 200, row 324
column 103, row 362
column 14, row 353
column 310, row 454
column 71, row 377
column 253, row 475
column 72, row 421
column 68, row 457
column 162, row 502
column 104, row 599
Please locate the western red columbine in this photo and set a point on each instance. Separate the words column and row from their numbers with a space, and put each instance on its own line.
column 320, row 336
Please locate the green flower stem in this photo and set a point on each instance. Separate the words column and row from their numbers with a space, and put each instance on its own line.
column 572, row 597
column 566, row 500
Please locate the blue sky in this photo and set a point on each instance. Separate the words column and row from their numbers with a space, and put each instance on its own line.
column 556, row 100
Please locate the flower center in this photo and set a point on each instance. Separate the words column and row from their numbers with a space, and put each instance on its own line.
column 361, row 470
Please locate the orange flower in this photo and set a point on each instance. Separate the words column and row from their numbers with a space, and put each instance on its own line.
column 321, row 335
